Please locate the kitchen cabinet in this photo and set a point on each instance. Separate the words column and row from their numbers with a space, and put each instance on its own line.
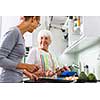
column 83, row 43
column 91, row 25
column 74, row 29
column 89, row 35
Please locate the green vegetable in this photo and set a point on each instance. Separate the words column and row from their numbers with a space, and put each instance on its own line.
column 92, row 77
column 83, row 77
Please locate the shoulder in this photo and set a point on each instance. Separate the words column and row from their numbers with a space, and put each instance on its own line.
column 33, row 50
column 51, row 52
column 12, row 33
column 10, row 37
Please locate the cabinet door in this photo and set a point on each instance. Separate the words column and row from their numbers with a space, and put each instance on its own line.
column 91, row 25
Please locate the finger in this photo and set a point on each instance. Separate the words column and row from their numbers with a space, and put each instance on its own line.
column 36, row 65
column 35, row 76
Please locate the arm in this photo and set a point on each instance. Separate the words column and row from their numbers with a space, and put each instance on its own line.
column 29, row 67
column 6, row 48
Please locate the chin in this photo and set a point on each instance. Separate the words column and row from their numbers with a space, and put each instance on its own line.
column 31, row 31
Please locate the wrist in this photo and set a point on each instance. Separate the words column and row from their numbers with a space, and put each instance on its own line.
column 21, row 66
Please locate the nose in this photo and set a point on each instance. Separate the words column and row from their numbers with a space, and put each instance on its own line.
column 39, row 24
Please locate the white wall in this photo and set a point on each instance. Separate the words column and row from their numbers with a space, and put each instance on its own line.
column 7, row 22
column 58, row 44
column 91, row 57
column 0, row 26
column 67, row 59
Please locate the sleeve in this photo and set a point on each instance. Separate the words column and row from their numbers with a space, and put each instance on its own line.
column 31, row 56
column 6, row 47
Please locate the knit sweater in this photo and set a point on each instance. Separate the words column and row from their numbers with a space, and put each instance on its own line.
column 11, row 53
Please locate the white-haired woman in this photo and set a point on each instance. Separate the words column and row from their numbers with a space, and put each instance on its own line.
column 42, row 55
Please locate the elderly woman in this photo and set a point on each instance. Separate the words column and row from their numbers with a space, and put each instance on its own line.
column 42, row 55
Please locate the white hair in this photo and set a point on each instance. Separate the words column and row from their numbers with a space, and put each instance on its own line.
column 46, row 33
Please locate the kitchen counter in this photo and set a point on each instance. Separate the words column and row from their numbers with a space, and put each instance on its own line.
column 59, row 80
column 49, row 80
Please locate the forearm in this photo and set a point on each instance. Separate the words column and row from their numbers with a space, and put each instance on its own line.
column 10, row 64
column 7, row 63
column 21, row 66
column 29, row 67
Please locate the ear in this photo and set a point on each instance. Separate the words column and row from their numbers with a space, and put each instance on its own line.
column 49, row 42
column 34, row 18
column 22, row 18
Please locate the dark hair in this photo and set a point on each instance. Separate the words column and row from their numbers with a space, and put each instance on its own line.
column 28, row 17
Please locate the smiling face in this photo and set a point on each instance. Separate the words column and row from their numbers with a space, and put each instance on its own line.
column 33, row 24
column 44, row 42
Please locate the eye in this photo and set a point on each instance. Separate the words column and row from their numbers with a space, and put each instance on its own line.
column 46, row 38
column 41, row 37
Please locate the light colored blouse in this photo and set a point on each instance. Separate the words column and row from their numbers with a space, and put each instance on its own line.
column 44, row 59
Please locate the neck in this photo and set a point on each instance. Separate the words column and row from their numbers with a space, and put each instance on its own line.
column 46, row 50
column 22, row 27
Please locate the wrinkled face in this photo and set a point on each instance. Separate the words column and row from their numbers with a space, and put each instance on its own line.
column 33, row 24
column 44, row 42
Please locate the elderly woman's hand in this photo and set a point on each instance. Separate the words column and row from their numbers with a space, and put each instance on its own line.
column 40, row 73
column 29, row 67
column 49, row 73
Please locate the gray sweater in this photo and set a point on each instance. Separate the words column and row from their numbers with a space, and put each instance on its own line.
column 11, row 53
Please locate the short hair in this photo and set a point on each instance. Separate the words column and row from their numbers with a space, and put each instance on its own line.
column 28, row 17
column 46, row 33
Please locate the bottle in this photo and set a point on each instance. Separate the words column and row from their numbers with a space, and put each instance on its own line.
column 78, row 21
column 70, row 25
column 86, row 69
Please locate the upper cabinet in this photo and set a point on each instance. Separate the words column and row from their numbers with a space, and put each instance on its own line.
column 85, row 35
column 74, row 28
column 91, row 25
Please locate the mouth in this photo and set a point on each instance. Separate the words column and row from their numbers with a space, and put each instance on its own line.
column 45, row 44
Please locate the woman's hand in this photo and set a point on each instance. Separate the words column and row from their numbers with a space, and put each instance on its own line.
column 30, row 75
column 29, row 67
column 32, row 67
